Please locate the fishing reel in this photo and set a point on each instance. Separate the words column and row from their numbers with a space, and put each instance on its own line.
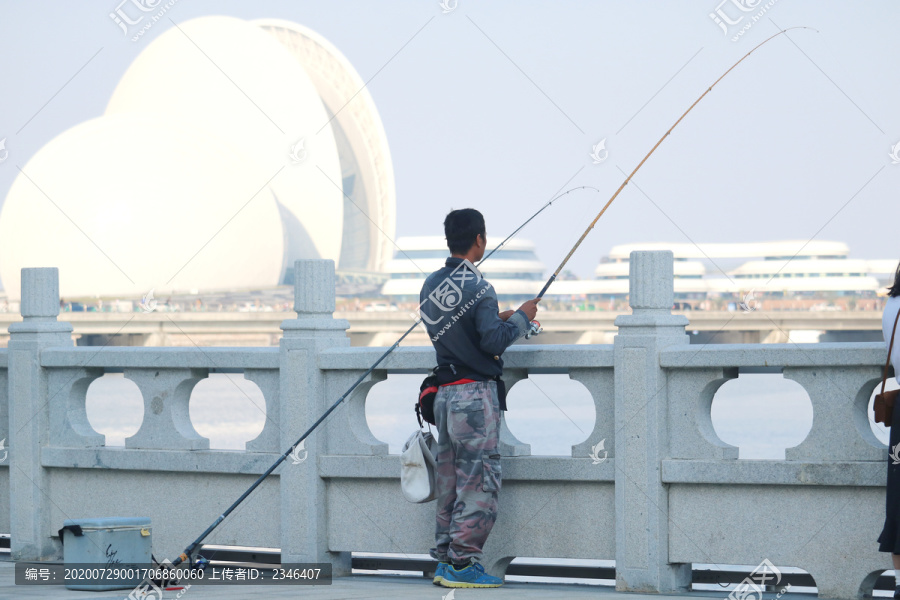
column 534, row 329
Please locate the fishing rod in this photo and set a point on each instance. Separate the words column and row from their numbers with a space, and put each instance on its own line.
column 652, row 150
column 188, row 552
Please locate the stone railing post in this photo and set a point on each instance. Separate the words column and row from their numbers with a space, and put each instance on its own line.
column 304, row 531
column 167, row 420
column 29, row 415
column 641, row 439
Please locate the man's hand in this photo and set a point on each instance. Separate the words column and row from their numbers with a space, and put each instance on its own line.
column 530, row 308
column 506, row 314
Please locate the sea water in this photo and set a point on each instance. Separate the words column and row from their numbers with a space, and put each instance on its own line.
column 761, row 414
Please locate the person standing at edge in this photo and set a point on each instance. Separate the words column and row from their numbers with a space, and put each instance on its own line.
column 460, row 311
column 889, row 540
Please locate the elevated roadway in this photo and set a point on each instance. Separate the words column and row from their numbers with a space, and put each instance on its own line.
column 382, row 328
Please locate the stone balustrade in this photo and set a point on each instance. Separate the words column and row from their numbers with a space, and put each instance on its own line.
column 667, row 492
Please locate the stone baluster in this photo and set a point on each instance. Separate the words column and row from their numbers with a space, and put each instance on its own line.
column 69, row 424
column 167, row 420
column 349, row 433
column 840, row 427
column 510, row 445
column 600, row 383
column 268, row 381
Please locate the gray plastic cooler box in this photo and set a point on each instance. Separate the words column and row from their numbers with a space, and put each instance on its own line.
column 111, row 542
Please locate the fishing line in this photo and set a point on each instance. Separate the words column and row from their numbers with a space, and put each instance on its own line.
column 652, row 150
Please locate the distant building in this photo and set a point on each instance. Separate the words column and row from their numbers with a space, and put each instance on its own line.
column 514, row 270
column 705, row 270
column 794, row 267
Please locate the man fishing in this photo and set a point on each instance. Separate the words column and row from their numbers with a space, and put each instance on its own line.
column 472, row 341
column 460, row 312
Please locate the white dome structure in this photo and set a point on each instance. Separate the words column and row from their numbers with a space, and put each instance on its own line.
column 233, row 80
column 113, row 223
column 218, row 163
column 367, row 172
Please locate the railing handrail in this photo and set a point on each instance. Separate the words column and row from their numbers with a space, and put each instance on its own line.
column 140, row 357
column 825, row 354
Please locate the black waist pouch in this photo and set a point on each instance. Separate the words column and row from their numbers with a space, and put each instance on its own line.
column 425, row 406
column 448, row 374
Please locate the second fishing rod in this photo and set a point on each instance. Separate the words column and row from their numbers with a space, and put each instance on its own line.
column 187, row 554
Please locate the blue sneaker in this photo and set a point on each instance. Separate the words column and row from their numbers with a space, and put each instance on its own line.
column 439, row 573
column 472, row 576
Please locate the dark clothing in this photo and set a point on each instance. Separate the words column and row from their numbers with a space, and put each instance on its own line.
column 889, row 540
column 462, row 318
column 460, row 311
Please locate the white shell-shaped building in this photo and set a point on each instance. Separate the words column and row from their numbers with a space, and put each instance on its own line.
column 228, row 150
column 367, row 173
column 105, row 211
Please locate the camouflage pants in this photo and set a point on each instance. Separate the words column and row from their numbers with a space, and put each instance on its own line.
column 468, row 469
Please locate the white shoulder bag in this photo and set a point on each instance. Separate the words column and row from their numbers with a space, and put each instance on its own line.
column 418, row 468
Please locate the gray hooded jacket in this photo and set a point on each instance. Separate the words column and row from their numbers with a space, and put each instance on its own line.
column 461, row 314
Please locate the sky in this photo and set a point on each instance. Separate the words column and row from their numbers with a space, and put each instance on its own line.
column 498, row 106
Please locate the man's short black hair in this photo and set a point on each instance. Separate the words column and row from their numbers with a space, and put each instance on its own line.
column 461, row 227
